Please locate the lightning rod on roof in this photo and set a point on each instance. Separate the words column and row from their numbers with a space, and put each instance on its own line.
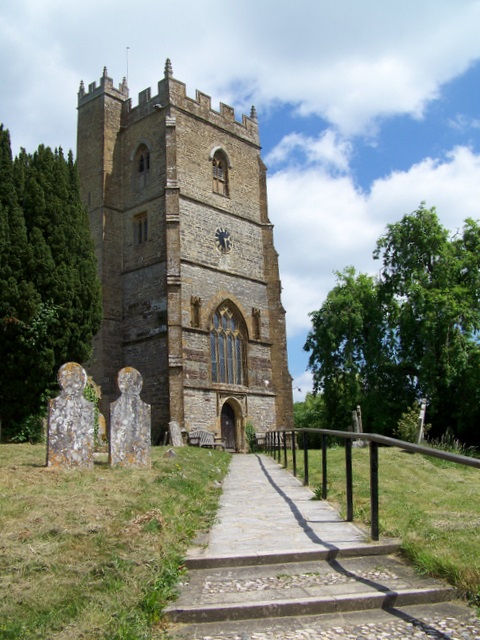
column 126, row 52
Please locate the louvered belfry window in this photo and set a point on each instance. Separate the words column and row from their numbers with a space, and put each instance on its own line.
column 220, row 173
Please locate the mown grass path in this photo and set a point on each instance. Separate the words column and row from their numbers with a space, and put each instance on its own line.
column 97, row 554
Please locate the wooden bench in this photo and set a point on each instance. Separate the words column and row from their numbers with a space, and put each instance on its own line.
column 204, row 438
column 260, row 441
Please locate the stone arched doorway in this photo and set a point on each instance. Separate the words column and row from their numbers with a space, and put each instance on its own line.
column 231, row 429
column 227, row 420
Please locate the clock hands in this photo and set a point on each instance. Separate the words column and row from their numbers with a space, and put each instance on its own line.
column 224, row 240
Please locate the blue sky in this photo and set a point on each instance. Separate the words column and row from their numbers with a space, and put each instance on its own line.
column 365, row 108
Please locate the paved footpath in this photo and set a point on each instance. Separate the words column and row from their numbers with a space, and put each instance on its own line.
column 277, row 565
column 265, row 510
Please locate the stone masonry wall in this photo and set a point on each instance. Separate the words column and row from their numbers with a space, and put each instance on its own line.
column 148, row 286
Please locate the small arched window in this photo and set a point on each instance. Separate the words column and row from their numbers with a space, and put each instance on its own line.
column 220, row 173
column 227, row 346
column 142, row 167
column 140, row 228
column 256, row 323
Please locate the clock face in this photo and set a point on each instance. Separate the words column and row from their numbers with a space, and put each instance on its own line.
column 223, row 240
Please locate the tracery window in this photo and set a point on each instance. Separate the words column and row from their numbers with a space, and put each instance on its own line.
column 220, row 173
column 227, row 346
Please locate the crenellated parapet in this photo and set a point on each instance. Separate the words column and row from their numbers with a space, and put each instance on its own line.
column 172, row 93
column 106, row 86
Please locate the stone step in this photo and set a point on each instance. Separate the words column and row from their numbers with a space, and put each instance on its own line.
column 385, row 547
column 443, row 621
column 303, row 588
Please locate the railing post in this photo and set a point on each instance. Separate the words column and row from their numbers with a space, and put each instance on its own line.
column 294, row 455
column 285, row 458
column 374, row 490
column 349, row 478
column 305, row 458
column 324, row 467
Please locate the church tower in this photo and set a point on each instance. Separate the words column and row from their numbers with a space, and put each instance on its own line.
column 177, row 199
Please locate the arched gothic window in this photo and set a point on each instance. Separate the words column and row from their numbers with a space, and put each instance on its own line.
column 220, row 173
column 227, row 346
column 142, row 167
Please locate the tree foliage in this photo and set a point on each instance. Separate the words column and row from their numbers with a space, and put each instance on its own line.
column 49, row 291
column 310, row 414
column 411, row 333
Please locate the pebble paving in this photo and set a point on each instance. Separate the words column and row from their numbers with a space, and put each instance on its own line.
column 285, row 582
column 450, row 628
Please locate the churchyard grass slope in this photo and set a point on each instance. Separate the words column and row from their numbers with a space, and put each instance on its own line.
column 98, row 553
column 433, row 506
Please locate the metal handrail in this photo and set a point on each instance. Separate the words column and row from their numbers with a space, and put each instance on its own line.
column 276, row 440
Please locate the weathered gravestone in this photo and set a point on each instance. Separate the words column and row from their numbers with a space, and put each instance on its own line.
column 130, row 423
column 175, row 434
column 358, row 427
column 421, row 421
column 70, row 421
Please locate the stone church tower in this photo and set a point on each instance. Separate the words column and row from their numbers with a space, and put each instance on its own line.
column 176, row 193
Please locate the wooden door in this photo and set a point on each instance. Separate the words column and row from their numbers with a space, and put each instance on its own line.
column 228, row 426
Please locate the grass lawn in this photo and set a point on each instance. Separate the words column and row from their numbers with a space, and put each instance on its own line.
column 97, row 554
column 432, row 505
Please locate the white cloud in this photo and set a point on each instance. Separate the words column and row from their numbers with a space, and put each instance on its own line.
column 347, row 61
column 326, row 223
column 452, row 184
column 302, row 384
column 328, row 149
column 463, row 123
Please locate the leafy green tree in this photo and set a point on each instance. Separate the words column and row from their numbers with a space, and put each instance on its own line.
column 310, row 414
column 352, row 351
column 50, row 302
column 435, row 283
column 412, row 333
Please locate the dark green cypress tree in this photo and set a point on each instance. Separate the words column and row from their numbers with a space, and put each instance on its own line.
column 65, row 264
column 20, row 304
column 53, row 262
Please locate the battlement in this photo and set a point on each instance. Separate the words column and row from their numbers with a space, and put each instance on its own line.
column 173, row 93
column 106, row 86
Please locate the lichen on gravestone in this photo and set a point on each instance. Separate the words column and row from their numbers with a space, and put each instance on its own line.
column 70, row 437
column 175, row 434
column 130, row 423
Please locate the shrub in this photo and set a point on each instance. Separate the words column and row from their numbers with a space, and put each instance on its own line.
column 407, row 427
column 32, row 430
column 251, row 437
